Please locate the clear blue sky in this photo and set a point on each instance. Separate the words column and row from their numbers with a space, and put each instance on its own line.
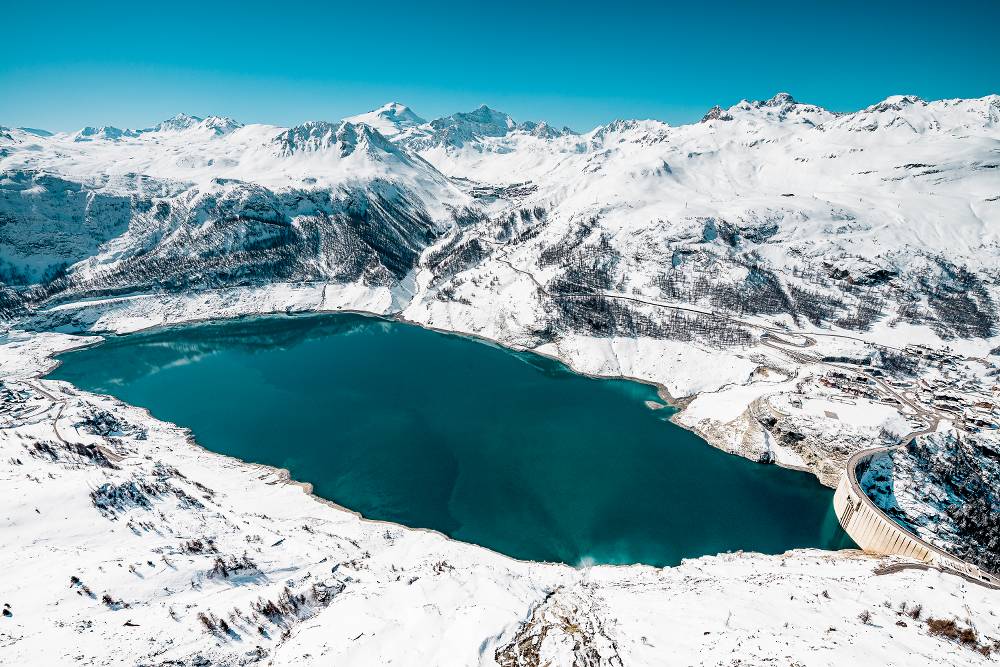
column 66, row 65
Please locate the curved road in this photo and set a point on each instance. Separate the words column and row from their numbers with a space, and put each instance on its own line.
column 111, row 456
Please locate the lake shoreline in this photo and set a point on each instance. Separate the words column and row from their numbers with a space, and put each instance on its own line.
column 309, row 486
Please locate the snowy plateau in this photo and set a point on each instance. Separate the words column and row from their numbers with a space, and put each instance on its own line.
column 802, row 284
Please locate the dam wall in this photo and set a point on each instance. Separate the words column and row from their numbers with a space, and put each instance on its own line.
column 875, row 532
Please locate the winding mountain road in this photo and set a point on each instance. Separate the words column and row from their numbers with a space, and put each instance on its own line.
column 111, row 456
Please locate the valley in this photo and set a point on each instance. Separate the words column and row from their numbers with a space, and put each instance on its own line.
column 801, row 285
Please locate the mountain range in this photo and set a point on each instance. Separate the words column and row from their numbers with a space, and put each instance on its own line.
column 793, row 211
column 803, row 286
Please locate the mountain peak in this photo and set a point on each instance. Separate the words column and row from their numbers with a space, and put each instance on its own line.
column 780, row 99
column 181, row 121
column 457, row 129
column 399, row 113
column 781, row 107
column 217, row 125
column 310, row 136
column 346, row 136
column 486, row 114
column 389, row 119
column 542, row 130
column 902, row 113
column 716, row 113
column 897, row 103
column 220, row 125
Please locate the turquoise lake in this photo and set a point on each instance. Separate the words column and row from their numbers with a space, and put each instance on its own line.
column 508, row 450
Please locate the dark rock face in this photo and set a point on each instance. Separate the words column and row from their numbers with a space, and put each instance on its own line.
column 11, row 304
column 716, row 113
column 967, row 469
column 48, row 223
column 239, row 234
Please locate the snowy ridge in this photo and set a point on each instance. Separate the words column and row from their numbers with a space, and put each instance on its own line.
column 213, row 125
column 217, row 125
column 910, row 113
column 107, row 133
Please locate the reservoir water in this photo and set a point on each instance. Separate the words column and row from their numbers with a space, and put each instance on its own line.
column 508, row 450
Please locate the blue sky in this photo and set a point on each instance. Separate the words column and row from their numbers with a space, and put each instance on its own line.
column 66, row 65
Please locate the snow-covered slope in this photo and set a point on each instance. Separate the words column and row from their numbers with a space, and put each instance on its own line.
column 772, row 268
column 389, row 119
column 125, row 543
column 322, row 200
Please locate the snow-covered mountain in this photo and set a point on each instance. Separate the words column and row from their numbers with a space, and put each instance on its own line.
column 389, row 119
column 217, row 125
column 793, row 211
column 213, row 125
column 803, row 284
column 106, row 132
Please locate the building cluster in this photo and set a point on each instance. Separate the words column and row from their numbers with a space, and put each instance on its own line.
column 969, row 402
column 851, row 384
column 945, row 385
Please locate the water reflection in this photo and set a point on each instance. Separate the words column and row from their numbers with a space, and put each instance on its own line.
column 511, row 451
